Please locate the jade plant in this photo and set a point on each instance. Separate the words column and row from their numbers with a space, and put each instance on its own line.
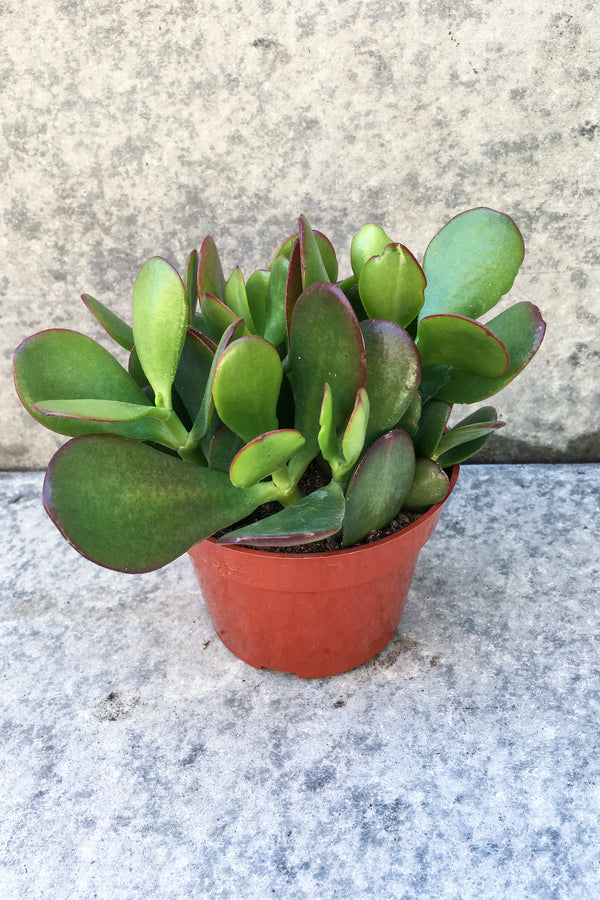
column 236, row 387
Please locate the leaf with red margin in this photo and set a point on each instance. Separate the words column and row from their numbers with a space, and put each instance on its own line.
column 119, row 331
column 210, row 271
column 463, row 343
column 393, row 373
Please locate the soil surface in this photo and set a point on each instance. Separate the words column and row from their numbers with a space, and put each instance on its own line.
column 312, row 480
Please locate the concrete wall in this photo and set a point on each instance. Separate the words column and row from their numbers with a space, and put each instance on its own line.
column 134, row 128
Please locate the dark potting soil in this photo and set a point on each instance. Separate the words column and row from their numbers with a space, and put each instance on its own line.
column 312, row 480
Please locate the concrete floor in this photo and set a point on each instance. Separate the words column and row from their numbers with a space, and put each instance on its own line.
column 139, row 759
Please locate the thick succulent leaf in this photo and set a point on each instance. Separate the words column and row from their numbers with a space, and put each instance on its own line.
column 325, row 249
column 210, row 271
column 160, row 318
column 457, row 341
column 317, row 516
column 193, row 372
column 433, row 379
column 191, row 284
column 351, row 292
column 393, row 373
column 237, row 300
column 203, row 419
column 263, row 456
column 463, row 451
column 521, row 328
column 327, row 436
column 142, row 423
column 430, row 486
column 370, row 241
column 410, row 420
column 256, row 290
column 326, row 346
column 224, row 445
column 379, row 486
column 434, row 417
column 478, row 424
column 246, row 386
column 293, row 287
column 471, row 263
column 128, row 507
column 217, row 316
column 353, row 439
column 118, row 330
column 391, row 285
column 311, row 263
column 275, row 326
column 65, row 365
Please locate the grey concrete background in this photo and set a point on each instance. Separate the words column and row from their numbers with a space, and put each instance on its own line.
column 136, row 128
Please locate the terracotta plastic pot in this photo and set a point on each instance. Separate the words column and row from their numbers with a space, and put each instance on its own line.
column 314, row 614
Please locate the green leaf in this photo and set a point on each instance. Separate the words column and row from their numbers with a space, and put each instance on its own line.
column 224, row 445
column 275, row 326
column 119, row 330
column 521, row 328
column 479, row 424
column 353, row 439
column 430, row 486
column 312, row 265
column 217, row 316
column 128, row 507
column 65, row 365
column 457, row 341
column 327, row 436
column 433, row 379
column 193, row 372
column 246, row 386
column 256, row 289
column 410, row 420
column 463, row 451
column 370, row 241
column 263, row 456
column 434, row 417
column 210, row 271
column 471, row 263
column 393, row 373
column 326, row 346
column 391, row 285
column 317, row 516
column 284, row 251
column 191, row 284
column 160, row 317
column 237, row 300
column 142, row 423
column 293, row 287
column 379, row 486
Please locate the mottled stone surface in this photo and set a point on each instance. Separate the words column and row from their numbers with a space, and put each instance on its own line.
column 136, row 128
column 140, row 759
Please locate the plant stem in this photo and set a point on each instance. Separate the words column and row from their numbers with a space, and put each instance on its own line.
column 287, row 489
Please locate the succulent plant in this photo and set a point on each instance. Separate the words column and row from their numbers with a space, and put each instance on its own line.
column 235, row 387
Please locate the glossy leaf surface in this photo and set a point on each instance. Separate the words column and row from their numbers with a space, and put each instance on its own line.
column 325, row 249
column 379, row 486
column 160, row 318
column 353, row 439
column 246, row 387
column 210, row 271
column 471, row 263
column 263, row 456
column 224, row 445
column 217, row 316
column 275, row 325
column 464, row 451
column 410, row 420
column 65, row 365
column 311, row 264
column 237, row 300
column 97, row 492
column 434, row 416
column 256, row 290
column 430, row 486
column 317, row 516
column 119, row 331
column 293, row 286
column 393, row 373
column 391, row 285
column 370, row 241
column 326, row 346
column 193, row 372
column 521, row 328
column 203, row 419
column 142, row 423
column 478, row 424
column 457, row 341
